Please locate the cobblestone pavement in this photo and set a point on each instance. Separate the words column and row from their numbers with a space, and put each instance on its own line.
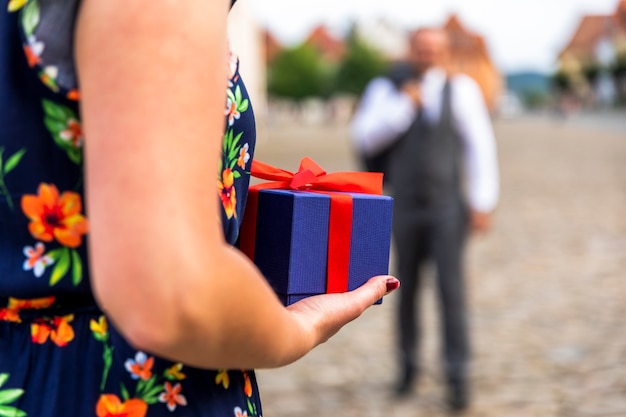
column 547, row 289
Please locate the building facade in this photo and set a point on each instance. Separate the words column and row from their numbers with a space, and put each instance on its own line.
column 588, row 65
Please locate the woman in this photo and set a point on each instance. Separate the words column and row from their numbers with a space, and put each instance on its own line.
column 119, row 287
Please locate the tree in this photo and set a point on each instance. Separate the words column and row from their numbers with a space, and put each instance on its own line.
column 561, row 82
column 298, row 73
column 360, row 64
column 619, row 76
column 591, row 70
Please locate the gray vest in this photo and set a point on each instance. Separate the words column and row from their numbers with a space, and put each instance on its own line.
column 425, row 166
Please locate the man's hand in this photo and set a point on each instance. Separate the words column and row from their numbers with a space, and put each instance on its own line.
column 412, row 89
column 480, row 221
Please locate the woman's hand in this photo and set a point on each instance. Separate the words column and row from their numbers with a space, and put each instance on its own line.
column 326, row 314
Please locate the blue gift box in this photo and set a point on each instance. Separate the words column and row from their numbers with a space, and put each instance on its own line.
column 291, row 243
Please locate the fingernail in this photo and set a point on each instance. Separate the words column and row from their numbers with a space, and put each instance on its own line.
column 392, row 284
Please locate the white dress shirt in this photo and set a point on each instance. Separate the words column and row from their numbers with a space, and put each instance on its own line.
column 385, row 113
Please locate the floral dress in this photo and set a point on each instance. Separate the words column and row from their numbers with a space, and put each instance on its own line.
column 59, row 355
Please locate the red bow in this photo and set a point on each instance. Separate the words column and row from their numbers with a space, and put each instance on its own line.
column 311, row 177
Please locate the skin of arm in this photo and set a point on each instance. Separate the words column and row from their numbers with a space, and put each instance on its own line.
column 153, row 83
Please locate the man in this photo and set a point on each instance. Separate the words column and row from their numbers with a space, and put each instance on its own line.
column 436, row 140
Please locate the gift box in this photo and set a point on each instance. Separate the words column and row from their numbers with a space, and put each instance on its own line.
column 312, row 240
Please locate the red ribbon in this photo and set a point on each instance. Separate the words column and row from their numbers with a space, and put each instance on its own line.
column 311, row 177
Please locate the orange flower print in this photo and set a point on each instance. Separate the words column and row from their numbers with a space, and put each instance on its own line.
column 8, row 314
column 227, row 192
column 231, row 111
column 140, row 367
column 235, row 104
column 109, row 405
column 34, row 303
column 247, row 384
column 58, row 330
column 72, row 133
column 55, row 217
column 33, row 49
column 73, row 95
column 36, row 260
column 172, row 396
column 62, row 333
column 244, row 156
column 240, row 413
column 12, row 310
column 39, row 332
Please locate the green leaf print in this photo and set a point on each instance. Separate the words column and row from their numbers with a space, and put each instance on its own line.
column 65, row 128
column 124, row 391
column 107, row 358
column 231, row 148
column 64, row 258
column 77, row 268
column 149, row 385
column 62, row 264
column 237, row 99
column 228, row 137
column 13, row 161
column 148, row 391
column 251, row 408
column 5, row 168
column 152, row 396
column 7, row 411
column 30, row 17
column 242, row 105
column 8, row 396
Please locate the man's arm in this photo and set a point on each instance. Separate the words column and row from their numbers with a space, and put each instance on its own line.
column 383, row 114
column 474, row 125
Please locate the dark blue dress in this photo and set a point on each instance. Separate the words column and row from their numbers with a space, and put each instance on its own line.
column 59, row 356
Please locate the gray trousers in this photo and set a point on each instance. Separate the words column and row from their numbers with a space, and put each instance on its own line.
column 437, row 234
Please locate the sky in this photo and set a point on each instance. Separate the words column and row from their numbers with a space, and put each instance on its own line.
column 521, row 35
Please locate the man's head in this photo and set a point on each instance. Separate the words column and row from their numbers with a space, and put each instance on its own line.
column 428, row 48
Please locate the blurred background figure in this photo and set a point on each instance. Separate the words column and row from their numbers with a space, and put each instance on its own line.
column 435, row 132
column 540, row 344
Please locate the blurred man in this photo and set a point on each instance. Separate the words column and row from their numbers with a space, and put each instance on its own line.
column 432, row 133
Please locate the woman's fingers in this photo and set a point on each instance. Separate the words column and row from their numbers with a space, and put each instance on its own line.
column 326, row 314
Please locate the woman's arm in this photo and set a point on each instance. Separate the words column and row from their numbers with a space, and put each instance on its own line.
column 153, row 82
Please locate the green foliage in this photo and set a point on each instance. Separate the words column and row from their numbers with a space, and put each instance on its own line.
column 619, row 66
column 298, row 73
column 359, row 66
column 560, row 81
column 301, row 72
column 534, row 99
column 591, row 71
